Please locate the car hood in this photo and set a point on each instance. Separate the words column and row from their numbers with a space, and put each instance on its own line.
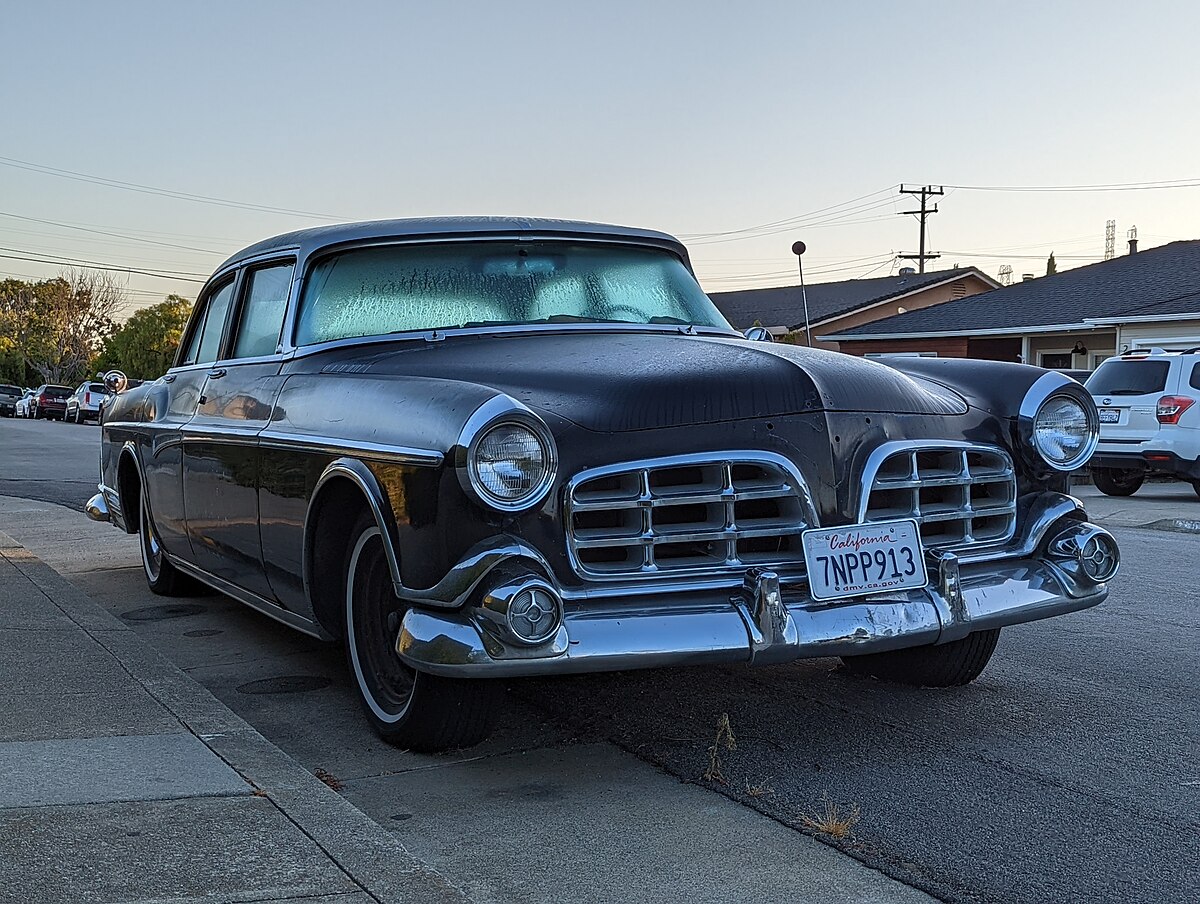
column 632, row 381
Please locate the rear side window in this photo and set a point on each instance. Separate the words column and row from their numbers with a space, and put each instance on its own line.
column 1119, row 377
column 262, row 312
column 1194, row 382
column 205, row 339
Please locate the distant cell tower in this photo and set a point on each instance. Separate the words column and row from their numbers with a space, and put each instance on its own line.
column 1110, row 240
column 1005, row 274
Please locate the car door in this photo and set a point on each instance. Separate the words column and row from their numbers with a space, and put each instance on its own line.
column 177, row 396
column 221, row 457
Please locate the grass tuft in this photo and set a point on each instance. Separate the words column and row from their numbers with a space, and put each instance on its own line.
column 831, row 819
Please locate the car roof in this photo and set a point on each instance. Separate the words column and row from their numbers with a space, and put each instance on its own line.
column 306, row 241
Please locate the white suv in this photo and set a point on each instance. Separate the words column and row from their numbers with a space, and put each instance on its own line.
column 1149, row 404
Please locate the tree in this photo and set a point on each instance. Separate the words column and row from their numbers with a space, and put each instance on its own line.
column 50, row 330
column 144, row 346
column 1051, row 266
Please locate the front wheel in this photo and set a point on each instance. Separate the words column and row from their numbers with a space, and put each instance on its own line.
column 948, row 665
column 1118, row 481
column 410, row 709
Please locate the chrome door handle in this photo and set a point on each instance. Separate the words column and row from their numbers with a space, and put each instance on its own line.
column 217, row 373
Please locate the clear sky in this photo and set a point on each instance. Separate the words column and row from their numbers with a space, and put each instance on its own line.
column 695, row 118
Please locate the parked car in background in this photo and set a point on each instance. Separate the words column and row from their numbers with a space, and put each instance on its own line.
column 479, row 448
column 84, row 403
column 1149, row 406
column 24, row 404
column 9, row 396
column 49, row 401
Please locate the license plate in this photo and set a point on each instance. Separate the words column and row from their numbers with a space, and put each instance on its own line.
column 1109, row 415
column 862, row 559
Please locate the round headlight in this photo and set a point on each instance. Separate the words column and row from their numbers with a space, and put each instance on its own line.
column 1063, row 432
column 510, row 466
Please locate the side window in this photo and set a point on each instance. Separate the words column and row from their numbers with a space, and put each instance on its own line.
column 214, row 323
column 193, row 339
column 1195, row 380
column 261, row 317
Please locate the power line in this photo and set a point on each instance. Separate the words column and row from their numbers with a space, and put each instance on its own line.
column 1103, row 186
column 812, row 219
column 20, row 255
column 117, row 235
column 163, row 192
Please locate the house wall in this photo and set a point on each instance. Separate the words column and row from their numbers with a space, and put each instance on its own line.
column 926, row 298
column 952, row 347
column 1100, row 344
column 1177, row 334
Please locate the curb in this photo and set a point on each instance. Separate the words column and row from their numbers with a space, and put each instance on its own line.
column 370, row 855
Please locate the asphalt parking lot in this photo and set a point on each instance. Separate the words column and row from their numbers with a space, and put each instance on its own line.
column 1067, row 772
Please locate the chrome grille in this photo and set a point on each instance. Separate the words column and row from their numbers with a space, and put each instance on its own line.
column 960, row 495
column 687, row 515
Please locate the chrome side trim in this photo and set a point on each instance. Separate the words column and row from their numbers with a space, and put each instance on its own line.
column 253, row 600
column 453, row 590
column 360, row 475
column 456, row 587
column 329, row 445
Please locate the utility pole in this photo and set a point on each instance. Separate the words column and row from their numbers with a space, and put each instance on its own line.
column 925, row 192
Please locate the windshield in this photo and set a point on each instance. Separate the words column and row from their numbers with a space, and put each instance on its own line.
column 402, row 288
column 57, row 392
column 1122, row 377
column 8, row 389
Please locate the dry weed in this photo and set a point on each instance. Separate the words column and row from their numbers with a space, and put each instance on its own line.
column 831, row 819
column 723, row 741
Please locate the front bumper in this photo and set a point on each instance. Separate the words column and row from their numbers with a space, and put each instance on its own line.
column 762, row 622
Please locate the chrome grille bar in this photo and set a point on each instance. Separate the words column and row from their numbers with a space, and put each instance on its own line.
column 961, row 495
column 688, row 515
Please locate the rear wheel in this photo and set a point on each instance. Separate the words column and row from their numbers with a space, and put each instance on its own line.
column 1118, row 481
column 162, row 577
column 410, row 709
column 948, row 665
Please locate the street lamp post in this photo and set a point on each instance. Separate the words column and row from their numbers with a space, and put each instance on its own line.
column 798, row 249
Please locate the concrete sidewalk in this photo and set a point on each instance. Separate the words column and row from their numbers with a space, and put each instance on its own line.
column 122, row 779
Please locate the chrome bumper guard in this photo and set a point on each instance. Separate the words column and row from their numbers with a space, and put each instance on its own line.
column 764, row 622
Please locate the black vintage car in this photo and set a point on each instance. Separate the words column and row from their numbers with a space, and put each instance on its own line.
column 479, row 448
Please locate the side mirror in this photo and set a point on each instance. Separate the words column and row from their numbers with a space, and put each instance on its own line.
column 758, row 334
column 115, row 381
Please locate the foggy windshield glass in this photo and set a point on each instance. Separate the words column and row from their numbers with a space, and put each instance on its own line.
column 400, row 288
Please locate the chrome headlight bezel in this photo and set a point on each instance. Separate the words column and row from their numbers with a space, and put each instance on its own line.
column 1051, row 388
column 504, row 412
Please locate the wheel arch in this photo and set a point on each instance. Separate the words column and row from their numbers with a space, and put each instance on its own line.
column 130, row 485
column 345, row 488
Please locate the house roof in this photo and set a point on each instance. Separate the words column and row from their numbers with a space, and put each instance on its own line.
column 1151, row 283
column 783, row 305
